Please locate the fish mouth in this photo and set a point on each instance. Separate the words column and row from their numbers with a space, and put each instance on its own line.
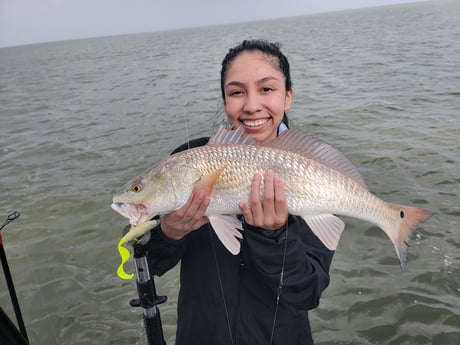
column 136, row 213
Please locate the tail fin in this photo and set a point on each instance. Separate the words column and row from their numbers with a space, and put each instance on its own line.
column 410, row 218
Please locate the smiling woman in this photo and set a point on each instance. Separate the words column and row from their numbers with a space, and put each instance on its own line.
column 255, row 95
column 256, row 88
column 281, row 268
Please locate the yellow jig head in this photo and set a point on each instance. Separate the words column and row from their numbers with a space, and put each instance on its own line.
column 124, row 252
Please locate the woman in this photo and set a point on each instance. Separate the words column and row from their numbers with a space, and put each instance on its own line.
column 263, row 294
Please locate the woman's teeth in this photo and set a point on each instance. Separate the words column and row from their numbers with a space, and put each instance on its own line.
column 255, row 123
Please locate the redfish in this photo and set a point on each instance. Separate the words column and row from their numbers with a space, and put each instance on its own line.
column 320, row 184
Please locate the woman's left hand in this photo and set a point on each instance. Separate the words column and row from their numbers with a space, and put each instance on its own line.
column 271, row 212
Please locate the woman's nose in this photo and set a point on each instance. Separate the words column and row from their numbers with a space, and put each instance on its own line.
column 252, row 103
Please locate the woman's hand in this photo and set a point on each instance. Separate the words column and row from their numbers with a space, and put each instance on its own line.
column 188, row 218
column 272, row 212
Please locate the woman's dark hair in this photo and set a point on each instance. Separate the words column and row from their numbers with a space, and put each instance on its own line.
column 268, row 48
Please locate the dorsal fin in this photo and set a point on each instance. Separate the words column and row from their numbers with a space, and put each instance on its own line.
column 297, row 141
column 226, row 135
column 313, row 147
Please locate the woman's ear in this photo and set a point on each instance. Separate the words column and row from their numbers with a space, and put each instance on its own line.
column 288, row 100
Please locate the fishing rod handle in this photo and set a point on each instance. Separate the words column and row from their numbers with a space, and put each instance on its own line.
column 148, row 298
column 154, row 329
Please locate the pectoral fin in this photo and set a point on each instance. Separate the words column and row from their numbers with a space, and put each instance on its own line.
column 228, row 230
column 207, row 182
column 327, row 228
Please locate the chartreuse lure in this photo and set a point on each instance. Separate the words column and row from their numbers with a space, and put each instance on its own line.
column 133, row 233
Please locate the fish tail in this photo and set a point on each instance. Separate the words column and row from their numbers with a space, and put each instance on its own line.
column 410, row 218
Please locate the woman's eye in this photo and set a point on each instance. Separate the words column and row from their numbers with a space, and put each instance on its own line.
column 236, row 92
column 266, row 89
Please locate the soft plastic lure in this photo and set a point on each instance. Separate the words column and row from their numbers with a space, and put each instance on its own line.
column 133, row 233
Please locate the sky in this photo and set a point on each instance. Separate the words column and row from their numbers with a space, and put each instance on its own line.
column 35, row 21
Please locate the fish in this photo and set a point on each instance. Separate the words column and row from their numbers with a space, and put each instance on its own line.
column 321, row 185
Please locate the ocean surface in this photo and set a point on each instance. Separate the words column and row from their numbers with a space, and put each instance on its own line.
column 80, row 118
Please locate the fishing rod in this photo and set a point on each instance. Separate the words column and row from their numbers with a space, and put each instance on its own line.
column 7, row 330
column 148, row 298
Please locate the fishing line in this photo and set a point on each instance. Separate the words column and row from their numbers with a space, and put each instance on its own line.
column 280, row 286
column 281, row 281
column 219, row 275
column 179, row 93
column 221, row 285
column 9, row 279
column 29, row 260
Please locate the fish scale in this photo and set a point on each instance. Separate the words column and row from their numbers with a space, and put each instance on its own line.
column 320, row 184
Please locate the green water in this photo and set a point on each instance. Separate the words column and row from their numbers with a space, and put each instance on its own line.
column 80, row 118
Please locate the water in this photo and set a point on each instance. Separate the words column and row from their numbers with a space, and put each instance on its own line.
column 79, row 118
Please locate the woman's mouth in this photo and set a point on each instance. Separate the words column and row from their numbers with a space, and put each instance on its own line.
column 255, row 123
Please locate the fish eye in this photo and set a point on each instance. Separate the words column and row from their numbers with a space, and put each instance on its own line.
column 136, row 188
column 401, row 214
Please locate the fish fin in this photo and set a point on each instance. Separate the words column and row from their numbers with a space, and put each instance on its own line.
column 225, row 135
column 207, row 182
column 228, row 230
column 327, row 228
column 411, row 217
column 308, row 145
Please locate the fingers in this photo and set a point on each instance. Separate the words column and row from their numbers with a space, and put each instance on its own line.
column 195, row 207
column 281, row 206
column 255, row 206
column 269, row 194
column 188, row 218
column 254, row 200
column 272, row 211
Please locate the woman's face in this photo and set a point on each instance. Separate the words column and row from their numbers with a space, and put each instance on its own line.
column 255, row 95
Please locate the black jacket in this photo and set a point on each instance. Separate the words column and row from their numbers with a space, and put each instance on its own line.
column 232, row 300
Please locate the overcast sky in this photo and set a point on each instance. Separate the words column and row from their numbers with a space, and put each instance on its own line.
column 33, row 21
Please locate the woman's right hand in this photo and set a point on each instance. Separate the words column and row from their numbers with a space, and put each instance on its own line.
column 188, row 218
